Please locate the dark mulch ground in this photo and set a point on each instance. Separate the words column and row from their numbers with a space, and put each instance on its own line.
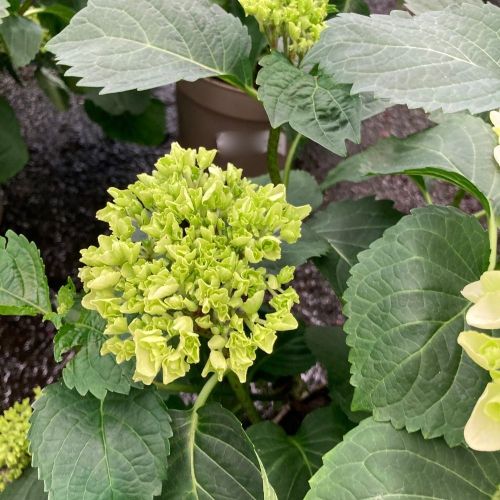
column 54, row 199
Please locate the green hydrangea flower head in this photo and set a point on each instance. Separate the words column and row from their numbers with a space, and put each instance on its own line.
column 298, row 23
column 14, row 455
column 180, row 268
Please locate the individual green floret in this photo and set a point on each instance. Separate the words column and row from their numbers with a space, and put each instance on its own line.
column 297, row 23
column 14, row 455
column 179, row 268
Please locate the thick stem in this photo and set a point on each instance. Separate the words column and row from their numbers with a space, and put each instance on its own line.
column 290, row 157
column 493, row 234
column 241, row 392
column 272, row 155
column 26, row 5
column 205, row 392
column 177, row 387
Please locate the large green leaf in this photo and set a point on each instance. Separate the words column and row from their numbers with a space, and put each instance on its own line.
column 132, row 102
column 22, row 39
column 90, row 372
column 290, row 461
column 27, row 487
column 88, row 448
column 148, row 127
column 421, row 6
column 123, row 45
column 316, row 106
column 459, row 150
column 378, row 462
column 446, row 59
column 405, row 313
column 23, row 285
column 211, row 457
column 13, row 150
column 349, row 227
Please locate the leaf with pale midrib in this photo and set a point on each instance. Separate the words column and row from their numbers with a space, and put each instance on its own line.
column 290, row 461
column 446, row 59
column 405, row 312
column 349, row 227
column 316, row 106
column 23, row 285
column 459, row 150
column 212, row 457
column 375, row 461
column 124, row 45
column 90, row 372
column 26, row 487
column 92, row 449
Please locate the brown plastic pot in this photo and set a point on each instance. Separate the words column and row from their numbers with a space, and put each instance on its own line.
column 217, row 116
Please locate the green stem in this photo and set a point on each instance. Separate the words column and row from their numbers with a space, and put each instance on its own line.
column 493, row 234
column 177, row 387
column 26, row 5
column 420, row 183
column 480, row 214
column 290, row 157
column 272, row 155
column 458, row 198
column 205, row 392
column 243, row 395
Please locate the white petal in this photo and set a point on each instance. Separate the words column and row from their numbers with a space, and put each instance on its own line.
column 472, row 343
column 485, row 313
column 473, row 291
column 490, row 281
column 482, row 433
column 495, row 118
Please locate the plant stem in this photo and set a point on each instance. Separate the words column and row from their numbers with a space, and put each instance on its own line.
column 272, row 155
column 241, row 392
column 290, row 157
column 177, row 387
column 480, row 214
column 458, row 198
column 205, row 392
column 493, row 234
column 26, row 5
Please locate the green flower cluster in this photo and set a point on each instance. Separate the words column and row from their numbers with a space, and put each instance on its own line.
column 298, row 23
column 14, row 455
column 180, row 268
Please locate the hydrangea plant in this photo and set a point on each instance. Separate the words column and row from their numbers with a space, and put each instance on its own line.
column 189, row 293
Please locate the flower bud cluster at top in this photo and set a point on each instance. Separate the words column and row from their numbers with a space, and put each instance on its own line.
column 14, row 455
column 297, row 23
column 179, row 268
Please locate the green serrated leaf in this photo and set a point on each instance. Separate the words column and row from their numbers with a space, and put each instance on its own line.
column 315, row 106
column 122, row 45
column 446, row 59
column 421, row 6
column 405, row 312
column 459, row 150
column 376, row 461
column 53, row 87
column 211, row 457
column 4, row 5
column 292, row 460
column 90, row 372
column 88, row 448
column 328, row 344
column 147, row 128
column 13, row 151
column 79, row 326
column 22, row 39
column 27, row 487
column 23, row 285
column 349, row 227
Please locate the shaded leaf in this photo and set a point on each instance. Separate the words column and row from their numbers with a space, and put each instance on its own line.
column 387, row 463
column 23, row 285
column 349, row 227
column 405, row 312
column 290, row 461
column 148, row 128
column 13, row 150
column 53, row 87
column 22, row 39
column 87, row 448
column 90, row 372
column 356, row 6
column 211, row 457
column 121, row 45
column 315, row 106
column 27, row 487
column 132, row 102
column 459, row 150
column 441, row 59
column 421, row 6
